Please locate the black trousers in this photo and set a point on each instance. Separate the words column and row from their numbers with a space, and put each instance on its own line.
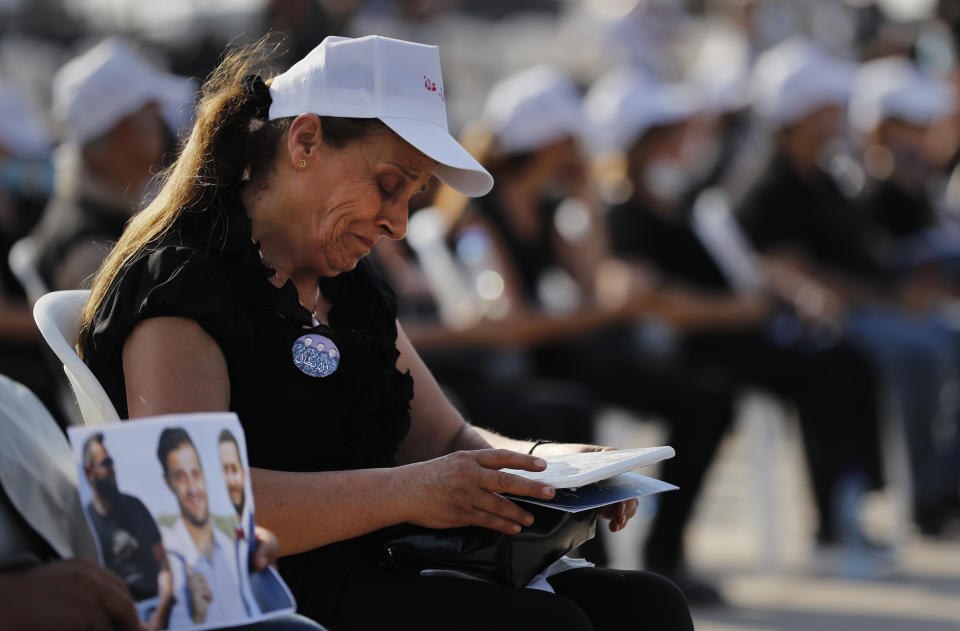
column 587, row 599
column 835, row 393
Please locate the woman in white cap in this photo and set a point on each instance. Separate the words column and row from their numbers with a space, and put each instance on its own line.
column 256, row 240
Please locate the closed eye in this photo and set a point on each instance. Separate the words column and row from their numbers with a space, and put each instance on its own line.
column 387, row 188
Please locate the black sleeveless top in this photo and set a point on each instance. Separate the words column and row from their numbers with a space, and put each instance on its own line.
column 209, row 269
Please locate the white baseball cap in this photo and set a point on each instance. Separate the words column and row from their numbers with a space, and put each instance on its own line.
column 22, row 132
column 93, row 92
column 796, row 78
column 894, row 87
column 533, row 108
column 395, row 81
column 623, row 104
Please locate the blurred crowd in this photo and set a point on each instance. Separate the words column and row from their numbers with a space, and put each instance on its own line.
column 692, row 200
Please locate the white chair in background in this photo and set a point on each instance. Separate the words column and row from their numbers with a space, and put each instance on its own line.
column 58, row 317
column 22, row 259
column 23, row 264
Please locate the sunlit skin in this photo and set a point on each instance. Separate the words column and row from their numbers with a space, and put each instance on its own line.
column 233, row 474
column 321, row 219
column 185, row 478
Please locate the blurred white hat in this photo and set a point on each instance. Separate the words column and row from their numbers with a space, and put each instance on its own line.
column 625, row 103
column 93, row 92
column 22, row 132
column 796, row 78
column 894, row 87
column 392, row 80
column 533, row 108
column 177, row 100
column 720, row 69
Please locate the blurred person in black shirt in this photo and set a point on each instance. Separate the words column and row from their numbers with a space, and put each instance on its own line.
column 113, row 104
column 895, row 109
column 26, row 179
column 813, row 234
column 746, row 335
column 583, row 316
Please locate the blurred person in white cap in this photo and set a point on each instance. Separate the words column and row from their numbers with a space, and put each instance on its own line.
column 114, row 108
column 814, row 241
column 895, row 108
column 244, row 286
column 543, row 221
column 26, row 176
column 653, row 225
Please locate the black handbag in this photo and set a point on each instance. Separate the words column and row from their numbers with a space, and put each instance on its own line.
column 489, row 554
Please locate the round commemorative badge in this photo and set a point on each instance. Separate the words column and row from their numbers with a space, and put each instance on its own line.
column 316, row 355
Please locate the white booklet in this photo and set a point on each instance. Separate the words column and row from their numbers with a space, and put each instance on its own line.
column 594, row 479
column 171, row 507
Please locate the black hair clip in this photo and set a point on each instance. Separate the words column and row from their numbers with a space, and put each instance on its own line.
column 253, row 86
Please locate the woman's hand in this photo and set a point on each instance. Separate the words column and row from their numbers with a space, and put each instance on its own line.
column 265, row 551
column 618, row 514
column 460, row 489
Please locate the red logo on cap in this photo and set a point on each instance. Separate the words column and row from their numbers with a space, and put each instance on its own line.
column 432, row 87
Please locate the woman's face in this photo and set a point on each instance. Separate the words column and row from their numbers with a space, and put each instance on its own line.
column 344, row 200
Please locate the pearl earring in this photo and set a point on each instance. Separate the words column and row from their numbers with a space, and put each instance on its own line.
column 302, row 164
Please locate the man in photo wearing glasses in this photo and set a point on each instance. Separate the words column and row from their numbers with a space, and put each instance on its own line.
column 129, row 538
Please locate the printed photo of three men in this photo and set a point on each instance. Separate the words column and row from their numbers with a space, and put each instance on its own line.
column 170, row 504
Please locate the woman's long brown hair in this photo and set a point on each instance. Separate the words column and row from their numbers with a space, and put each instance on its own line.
column 205, row 164
column 228, row 146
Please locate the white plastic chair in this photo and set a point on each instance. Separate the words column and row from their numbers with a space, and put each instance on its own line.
column 23, row 263
column 58, row 317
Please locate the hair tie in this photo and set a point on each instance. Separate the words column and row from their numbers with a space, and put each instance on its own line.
column 254, row 87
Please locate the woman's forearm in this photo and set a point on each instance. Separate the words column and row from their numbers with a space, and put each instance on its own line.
column 312, row 509
column 479, row 438
column 309, row 510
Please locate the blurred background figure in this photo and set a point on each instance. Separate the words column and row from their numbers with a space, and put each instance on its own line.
column 748, row 336
column 815, row 239
column 539, row 238
column 112, row 104
column 895, row 109
column 26, row 179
